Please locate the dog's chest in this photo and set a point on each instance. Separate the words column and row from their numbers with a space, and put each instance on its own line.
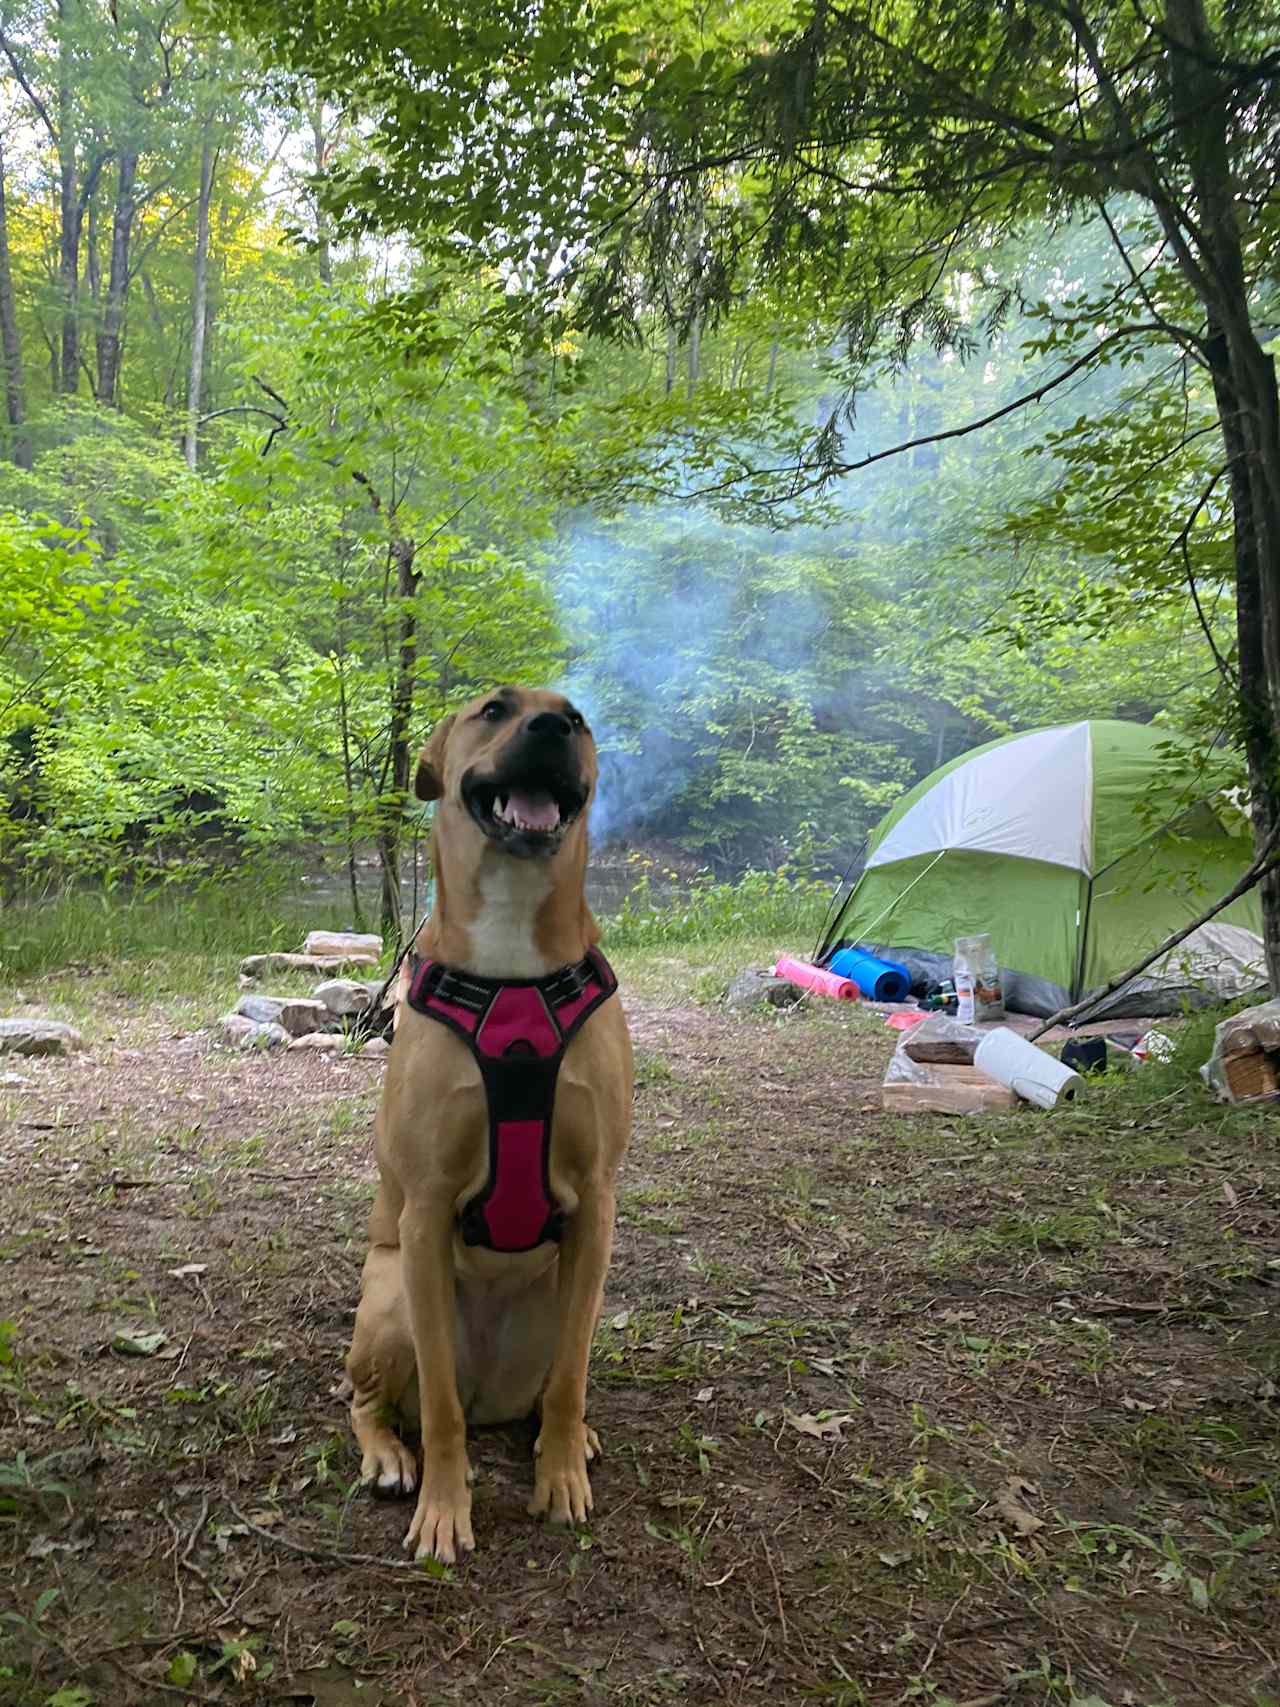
column 502, row 930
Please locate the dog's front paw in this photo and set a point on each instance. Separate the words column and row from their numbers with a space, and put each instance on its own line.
column 441, row 1526
column 561, row 1486
column 388, row 1469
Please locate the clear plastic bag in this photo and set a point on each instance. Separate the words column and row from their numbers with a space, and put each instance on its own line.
column 977, row 979
column 938, row 1028
column 1245, row 1063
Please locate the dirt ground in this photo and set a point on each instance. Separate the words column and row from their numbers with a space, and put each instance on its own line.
column 894, row 1409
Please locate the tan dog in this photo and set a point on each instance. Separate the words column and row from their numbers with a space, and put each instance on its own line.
column 449, row 1330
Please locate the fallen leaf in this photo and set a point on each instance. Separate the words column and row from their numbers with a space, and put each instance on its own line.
column 189, row 1268
column 824, row 1365
column 1120, row 1307
column 286, row 1437
column 265, row 1519
column 893, row 1560
column 824, row 1426
column 959, row 1315
column 621, row 1320
column 1228, row 1194
column 703, row 1395
column 42, row 1546
column 140, row 1344
column 1009, row 1505
column 1129, row 1403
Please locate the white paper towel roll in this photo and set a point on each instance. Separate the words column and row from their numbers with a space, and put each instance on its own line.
column 1030, row 1072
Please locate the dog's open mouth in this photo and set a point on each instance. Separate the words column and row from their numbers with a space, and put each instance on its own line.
column 527, row 814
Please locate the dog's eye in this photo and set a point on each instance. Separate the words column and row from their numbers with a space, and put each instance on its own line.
column 577, row 719
column 494, row 712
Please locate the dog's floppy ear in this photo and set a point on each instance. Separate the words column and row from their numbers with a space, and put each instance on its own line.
column 428, row 782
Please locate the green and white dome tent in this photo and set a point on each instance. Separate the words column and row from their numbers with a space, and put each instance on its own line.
column 1069, row 846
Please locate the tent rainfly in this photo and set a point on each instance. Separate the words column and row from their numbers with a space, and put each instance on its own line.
column 1071, row 849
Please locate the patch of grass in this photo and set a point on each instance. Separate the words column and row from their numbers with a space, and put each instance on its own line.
column 1062, row 1230
column 652, row 1069
column 144, row 931
column 777, row 903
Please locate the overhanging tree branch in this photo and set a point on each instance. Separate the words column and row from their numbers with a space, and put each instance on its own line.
column 821, row 473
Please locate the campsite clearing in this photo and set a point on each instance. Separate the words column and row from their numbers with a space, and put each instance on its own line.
column 895, row 1409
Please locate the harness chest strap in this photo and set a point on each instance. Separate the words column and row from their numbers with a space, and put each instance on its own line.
column 517, row 1031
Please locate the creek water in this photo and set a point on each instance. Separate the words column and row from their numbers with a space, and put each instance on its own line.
column 326, row 890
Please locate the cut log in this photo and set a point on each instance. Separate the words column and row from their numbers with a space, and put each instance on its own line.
column 947, row 1090
column 941, row 1051
column 343, row 942
column 947, row 1096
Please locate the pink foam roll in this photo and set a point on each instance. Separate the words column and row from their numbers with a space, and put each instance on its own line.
column 815, row 978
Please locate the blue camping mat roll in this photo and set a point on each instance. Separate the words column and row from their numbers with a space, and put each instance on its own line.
column 879, row 980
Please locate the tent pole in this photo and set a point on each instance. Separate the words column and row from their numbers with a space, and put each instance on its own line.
column 830, row 926
column 1267, row 860
column 1083, row 944
column 902, row 894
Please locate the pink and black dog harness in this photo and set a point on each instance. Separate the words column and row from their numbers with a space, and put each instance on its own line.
column 518, row 1031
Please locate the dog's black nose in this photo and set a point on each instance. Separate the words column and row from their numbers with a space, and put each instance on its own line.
column 551, row 725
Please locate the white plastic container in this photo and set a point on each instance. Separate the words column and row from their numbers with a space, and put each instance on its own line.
column 1030, row 1072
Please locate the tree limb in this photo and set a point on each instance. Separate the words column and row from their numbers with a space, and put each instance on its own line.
column 830, row 471
column 42, row 112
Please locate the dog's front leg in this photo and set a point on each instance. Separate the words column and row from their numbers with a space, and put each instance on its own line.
column 442, row 1522
column 565, row 1444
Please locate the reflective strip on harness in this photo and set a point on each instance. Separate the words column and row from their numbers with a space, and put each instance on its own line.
column 518, row 1031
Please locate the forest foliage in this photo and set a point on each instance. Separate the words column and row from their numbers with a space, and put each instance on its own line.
column 327, row 405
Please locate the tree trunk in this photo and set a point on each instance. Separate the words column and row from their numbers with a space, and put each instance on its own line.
column 1257, row 618
column 11, row 344
column 693, row 357
column 199, row 303
column 109, row 336
column 323, row 230
column 69, row 215
column 404, row 552
column 773, row 366
column 1244, row 381
column 92, row 271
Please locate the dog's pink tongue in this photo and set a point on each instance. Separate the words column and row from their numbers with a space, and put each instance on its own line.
column 536, row 810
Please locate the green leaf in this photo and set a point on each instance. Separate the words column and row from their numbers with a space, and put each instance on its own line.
column 182, row 1668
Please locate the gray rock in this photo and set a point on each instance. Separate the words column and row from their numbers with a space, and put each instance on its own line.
column 235, row 1028
column 375, row 1046
column 265, row 1037
column 344, row 996
column 35, row 1036
column 756, row 989
column 254, row 965
column 328, row 1042
column 297, row 1014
